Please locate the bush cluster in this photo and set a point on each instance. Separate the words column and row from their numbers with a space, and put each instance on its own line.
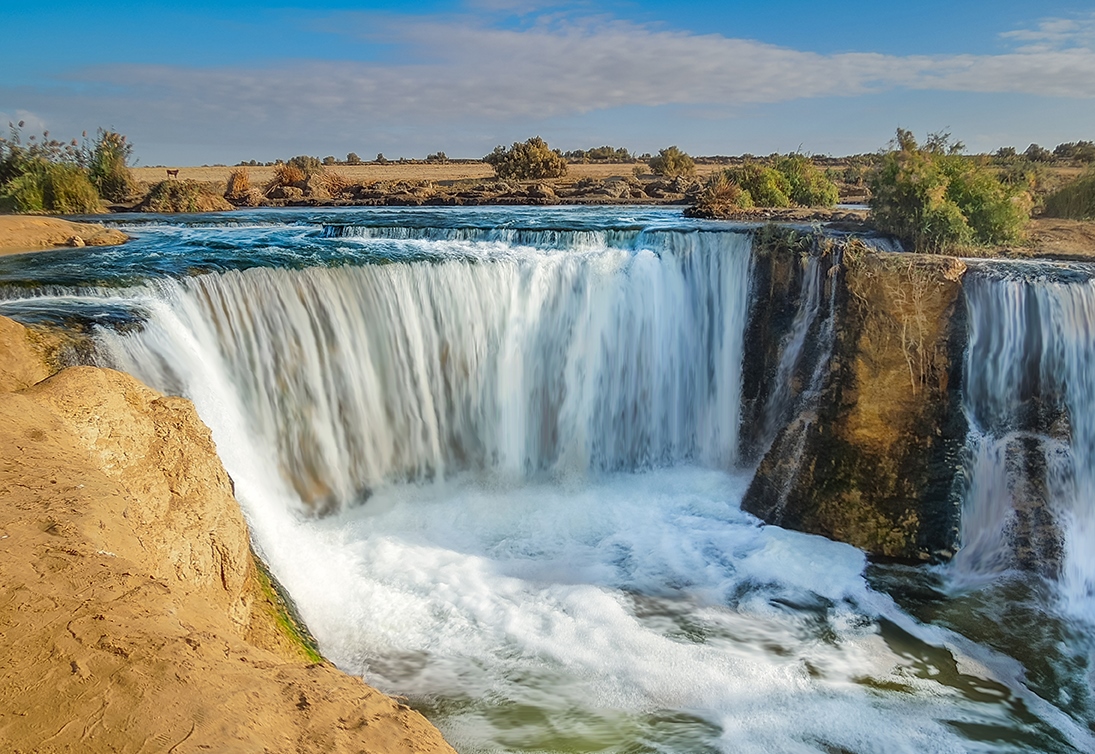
column 792, row 180
column 672, row 162
column 1073, row 201
column 932, row 197
column 531, row 160
column 600, row 154
column 47, row 175
column 185, row 196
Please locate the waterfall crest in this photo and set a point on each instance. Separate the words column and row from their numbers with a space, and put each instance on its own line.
column 529, row 362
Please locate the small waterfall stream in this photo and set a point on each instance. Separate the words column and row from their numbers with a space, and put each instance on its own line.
column 1030, row 397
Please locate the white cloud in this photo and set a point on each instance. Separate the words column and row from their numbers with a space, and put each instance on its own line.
column 1056, row 34
column 459, row 73
column 563, row 68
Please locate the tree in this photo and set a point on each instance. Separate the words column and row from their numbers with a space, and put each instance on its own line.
column 353, row 159
column 329, row 160
column 531, row 160
column 1036, row 153
column 671, row 162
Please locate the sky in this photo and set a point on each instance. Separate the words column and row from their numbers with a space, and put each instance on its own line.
column 220, row 82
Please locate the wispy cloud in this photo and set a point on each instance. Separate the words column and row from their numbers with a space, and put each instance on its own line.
column 1056, row 34
column 462, row 70
column 576, row 66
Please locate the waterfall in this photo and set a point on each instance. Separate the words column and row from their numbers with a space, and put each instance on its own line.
column 1030, row 398
column 510, row 360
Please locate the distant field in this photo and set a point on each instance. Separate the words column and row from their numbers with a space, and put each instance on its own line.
column 437, row 172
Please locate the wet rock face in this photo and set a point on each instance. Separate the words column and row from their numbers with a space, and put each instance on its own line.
column 867, row 453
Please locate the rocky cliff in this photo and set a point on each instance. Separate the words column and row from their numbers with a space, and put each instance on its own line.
column 132, row 614
column 866, row 437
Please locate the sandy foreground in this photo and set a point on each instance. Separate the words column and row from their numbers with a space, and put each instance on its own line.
column 132, row 617
column 20, row 233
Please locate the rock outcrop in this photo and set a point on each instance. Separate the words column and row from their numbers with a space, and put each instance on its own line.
column 132, row 613
column 870, row 457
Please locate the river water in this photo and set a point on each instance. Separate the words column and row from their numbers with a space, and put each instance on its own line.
column 493, row 455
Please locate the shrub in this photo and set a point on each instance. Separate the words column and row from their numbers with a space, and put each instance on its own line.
column 68, row 190
column 671, row 162
column 108, row 166
column 1036, row 153
column 532, row 160
column 24, row 194
column 600, row 154
column 766, row 186
column 932, row 198
column 329, row 160
column 239, row 185
column 353, row 159
column 334, row 183
column 61, row 188
column 1073, row 201
column 809, row 186
column 1075, row 151
column 184, row 196
column 286, row 174
column 720, row 197
column 306, row 164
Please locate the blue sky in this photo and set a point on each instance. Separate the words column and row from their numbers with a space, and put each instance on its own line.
column 222, row 82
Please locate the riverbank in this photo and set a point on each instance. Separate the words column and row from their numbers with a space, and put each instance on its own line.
column 132, row 613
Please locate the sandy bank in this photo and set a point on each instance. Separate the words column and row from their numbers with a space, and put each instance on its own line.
column 131, row 612
column 20, row 233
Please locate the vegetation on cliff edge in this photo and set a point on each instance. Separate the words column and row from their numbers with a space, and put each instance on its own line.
column 933, row 198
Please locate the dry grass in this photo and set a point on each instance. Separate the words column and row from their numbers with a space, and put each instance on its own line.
column 437, row 172
column 239, row 184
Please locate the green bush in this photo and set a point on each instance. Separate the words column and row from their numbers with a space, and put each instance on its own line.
column 1073, row 201
column 25, row 194
column 108, row 167
column 672, row 162
column 809, row 186
column 69, row 191
column 61, row 188
column 528, row 161
column 933, row 198
column 766, row 186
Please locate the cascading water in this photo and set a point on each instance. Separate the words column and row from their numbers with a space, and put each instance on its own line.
column 504, row 359
column 524, row 427
column 1030, row 397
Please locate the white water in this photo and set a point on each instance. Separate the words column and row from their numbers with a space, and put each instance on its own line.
column 1032, row 342
column 551, row 556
